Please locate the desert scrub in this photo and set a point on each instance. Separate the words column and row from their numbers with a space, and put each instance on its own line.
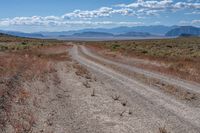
column 171, row 48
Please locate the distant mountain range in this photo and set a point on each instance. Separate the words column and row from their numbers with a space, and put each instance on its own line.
column 154, row 30
column 138, row 31
column 104, row 34
column 93, row 34
column 135, row 34
column 4, row 35
column 22, row 34
column 184, row 30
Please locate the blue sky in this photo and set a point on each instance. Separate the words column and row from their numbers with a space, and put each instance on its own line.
column 61, row 15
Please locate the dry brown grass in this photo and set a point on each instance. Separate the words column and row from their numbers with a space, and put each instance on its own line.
column 23, row 65
column 82, row 71
column 173, row 90
column 163, row 130
column 115, row 97
column 179, row 57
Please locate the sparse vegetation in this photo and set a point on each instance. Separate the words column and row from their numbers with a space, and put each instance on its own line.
column 93, row 93
column 86, row 84
column 124, row 103
column 181, row 56
column 163, row 130
column 130, row 112
column 122, row 113
column 82, row 71
column 23, row 59
column 116, row 97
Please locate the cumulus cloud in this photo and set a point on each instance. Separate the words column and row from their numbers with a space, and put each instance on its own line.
column 163, row 4
column 56, row 21
column 139, row 9
column 102, row 12
column 148, row 4
column 158, row 6
column 183, row 5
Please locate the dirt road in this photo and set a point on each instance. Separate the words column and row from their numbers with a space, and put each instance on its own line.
column 151, row 108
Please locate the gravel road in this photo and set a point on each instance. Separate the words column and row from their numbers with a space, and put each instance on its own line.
column 151, row 107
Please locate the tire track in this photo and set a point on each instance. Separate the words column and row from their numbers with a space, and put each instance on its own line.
column 194, row 87
column 181, row 111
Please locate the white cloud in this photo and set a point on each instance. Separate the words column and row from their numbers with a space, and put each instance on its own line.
column 139, row 9
column 102, row 12
column 163, row 4
column 56, row 21
column 183, row 5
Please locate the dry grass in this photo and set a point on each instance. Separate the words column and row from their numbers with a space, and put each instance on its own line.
column 19, row 65
column 181, row 56
column 93, row 93
column 163, row 130
column 82, row 71
column 86, row 84
column 116, row 97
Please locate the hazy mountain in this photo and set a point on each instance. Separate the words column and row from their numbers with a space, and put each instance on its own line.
column 5, row 35
column 93, row 34
column 135, row 34
column 104, row 34
column 22, row 34
column 155, row 29
column 189, row 30
column 137, row 31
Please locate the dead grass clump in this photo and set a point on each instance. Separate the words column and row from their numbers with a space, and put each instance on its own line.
column 22, row 96
column 56, row 79
column 130, row 112
column 86, row 84
column 188, row 96
column 23, row 121
column 178, row 92
column 163, row 130
column 93, row 93
column 116, row 97
column 124, row 103
column 122, row 113
column 81, row 71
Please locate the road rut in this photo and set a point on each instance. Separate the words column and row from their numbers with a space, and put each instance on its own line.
column 187, row 117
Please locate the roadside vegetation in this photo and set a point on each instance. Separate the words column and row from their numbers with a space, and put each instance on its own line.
column 180, row 48
column 11, row 43
column 23, row 60
column 180, row 56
